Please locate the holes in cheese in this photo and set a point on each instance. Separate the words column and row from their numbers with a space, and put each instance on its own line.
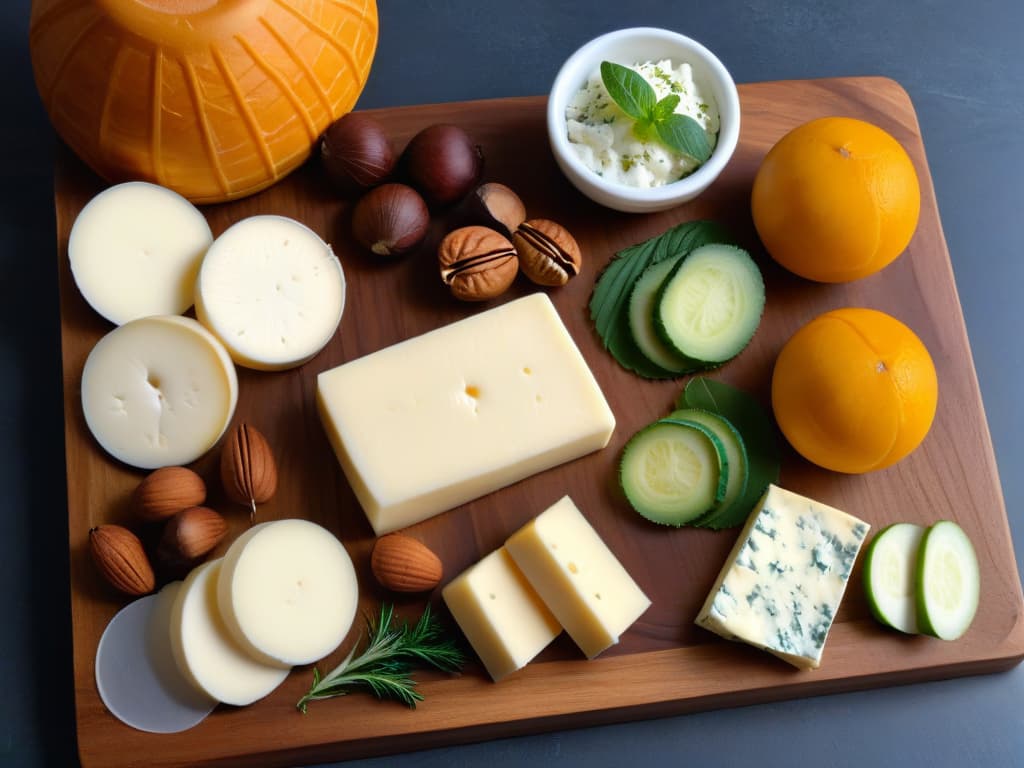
column 136, row 674
column 158, row 391
column 438, row 420
column 498, row 611
column 207, row 654
column 580, row 579
column 135, row 251
column 287, row 592
column 272, row 291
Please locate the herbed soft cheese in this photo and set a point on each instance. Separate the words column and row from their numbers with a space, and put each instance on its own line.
column 602, row 135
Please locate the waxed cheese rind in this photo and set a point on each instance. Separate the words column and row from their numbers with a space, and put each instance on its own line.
column 205, row 651
column 158, row 391
column 580, row 579
column 781, row 586
column 272, row 291
column 443, row 418
column 500, row 614
column 287, row 592
column 135, row 251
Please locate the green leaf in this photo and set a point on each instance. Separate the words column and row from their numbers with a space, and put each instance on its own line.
column 645, row 130
column 666, row 107
column 629, row 90
column 757, row 430
column 609, row 303
column 684, row 134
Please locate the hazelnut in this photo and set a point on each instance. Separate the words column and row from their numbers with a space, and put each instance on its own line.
column 191, row 534
column 549, row 255
column 477, row 263
column 356, row 152
column 443, row 163
column 495, row 205
column 390, row 219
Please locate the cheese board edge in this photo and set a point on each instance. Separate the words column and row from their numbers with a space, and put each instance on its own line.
column 1008, row 652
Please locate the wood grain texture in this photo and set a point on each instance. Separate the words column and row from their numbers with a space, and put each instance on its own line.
column 664, row 664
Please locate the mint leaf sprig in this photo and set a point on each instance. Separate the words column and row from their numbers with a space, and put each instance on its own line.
column 385, row 665
column 654, row 118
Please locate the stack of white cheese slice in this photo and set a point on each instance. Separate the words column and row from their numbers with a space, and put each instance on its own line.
column 554, row 572
column 284, row 594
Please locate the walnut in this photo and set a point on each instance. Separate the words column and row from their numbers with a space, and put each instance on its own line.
column 548, row 254
column 477, row 263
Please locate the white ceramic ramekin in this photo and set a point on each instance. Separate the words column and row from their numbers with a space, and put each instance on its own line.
column 627, row 47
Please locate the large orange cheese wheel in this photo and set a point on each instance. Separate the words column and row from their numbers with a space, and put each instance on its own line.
column 215, row 99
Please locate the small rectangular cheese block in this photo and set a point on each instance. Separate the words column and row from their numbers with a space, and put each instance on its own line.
column 785, row 577
column 502, row 617
column 443, row 418
column 583, row 583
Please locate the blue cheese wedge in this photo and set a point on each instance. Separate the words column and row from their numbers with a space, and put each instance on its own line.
column 785, row 577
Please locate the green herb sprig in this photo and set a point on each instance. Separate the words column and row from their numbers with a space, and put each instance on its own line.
column 654, row 118
column 385, row 665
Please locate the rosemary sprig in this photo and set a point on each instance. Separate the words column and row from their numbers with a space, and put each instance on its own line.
column 385, row 664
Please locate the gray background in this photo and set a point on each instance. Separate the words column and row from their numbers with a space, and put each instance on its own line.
column 963, row 67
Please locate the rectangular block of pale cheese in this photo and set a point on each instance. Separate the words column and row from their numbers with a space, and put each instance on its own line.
column 578, row 576
column 782, row 584
column 443, row 418
column 500, row 614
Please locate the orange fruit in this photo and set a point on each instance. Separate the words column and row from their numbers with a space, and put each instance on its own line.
column 854, row 390
column 836, row 199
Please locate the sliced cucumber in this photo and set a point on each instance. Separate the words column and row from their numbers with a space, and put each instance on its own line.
column 889, row 575
column 642, row 301
column 948, row 581
column 711, row 304
column 736, row 454
column 674, row 471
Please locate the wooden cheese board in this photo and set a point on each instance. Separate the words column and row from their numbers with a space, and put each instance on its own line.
column 664, row 664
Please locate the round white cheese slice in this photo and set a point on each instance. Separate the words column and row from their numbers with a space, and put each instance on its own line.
column 136, row 675
column 272, row 291
column 288, row 591
column 205, row 651
column 158, row 391
column 135, row 251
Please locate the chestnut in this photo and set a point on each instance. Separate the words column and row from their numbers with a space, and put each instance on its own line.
column 356, row 152
column 443, row 163
column 390, row 219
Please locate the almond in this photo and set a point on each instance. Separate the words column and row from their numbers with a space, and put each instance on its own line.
column 247, row 468
column 403, row 564
column 190, row 535
column 119, row 555
column 167, row 491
